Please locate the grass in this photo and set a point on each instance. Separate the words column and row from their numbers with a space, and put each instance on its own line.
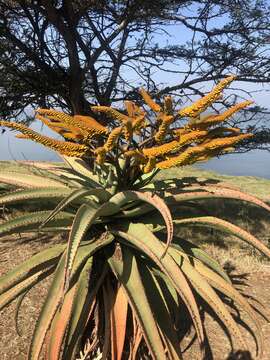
column 253, row 185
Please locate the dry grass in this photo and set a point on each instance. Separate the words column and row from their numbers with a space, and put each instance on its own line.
column 254, row 185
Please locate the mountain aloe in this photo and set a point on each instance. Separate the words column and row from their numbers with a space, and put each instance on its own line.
column 122, row 278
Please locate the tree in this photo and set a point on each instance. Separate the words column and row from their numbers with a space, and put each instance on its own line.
column 72, row 53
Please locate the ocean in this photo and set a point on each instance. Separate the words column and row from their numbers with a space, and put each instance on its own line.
column 254, row 163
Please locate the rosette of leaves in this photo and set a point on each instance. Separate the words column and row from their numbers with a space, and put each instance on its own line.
column 118, row 284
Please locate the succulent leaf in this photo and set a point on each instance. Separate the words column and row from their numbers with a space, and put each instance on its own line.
column 75, row 196
column 135, row 292
column 87, row 288
column 118, row 319
column 33, row 194
column 29, row 181
column 48, row 311
column 152, row 199
column 229, row 228
column 209, row 295
column 30, row 222
column 153, row 248
column 161, row 310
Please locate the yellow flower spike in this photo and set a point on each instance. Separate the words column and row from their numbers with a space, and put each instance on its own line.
column 44, row 120
column 52, row 124
column 91, row 124
column 161, row 150
column 128, row 131
column 55, row 115
column 71, row 135
column 175, row 145
column 210, row 154
column 226, row 141
column 190, row 155
column 150, row 165
column 218, row 132
column 73, row 131
column 138, row 122
column 166, row 121
column 116, row 115
column 192, row 136
column 132, row 109
column 185, row 158
column 212, row 120
column 162, row 131
column 168, row 105
column 135, row 154
column 149, row 101
column 181, row 131
column 221, row 131
column 101, row 155
column 63, row 147
column 22, row 136
column 113, row 137
column 202, row 104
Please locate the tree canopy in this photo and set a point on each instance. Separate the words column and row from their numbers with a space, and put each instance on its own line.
column 71, row 54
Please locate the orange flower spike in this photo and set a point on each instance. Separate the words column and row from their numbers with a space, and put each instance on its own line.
column 202, row 104
column 89, row 127
column 150, row 165
column 185, row 158
column 189, row 156
column 212, row 120
column 168, row 105
column 91, row 124
column 128, row 131
column 43, row 119
column 61, row 127
column 166, row 121
column 181, row 131
column 22, row 136
column 161, row 150
column 132, row 109
column 162, row 132
column 135, row 154
column 101, row 155
column 63, row 147
column 176, row 144
column 71, row 135
column 112, row 139
column 210, row 154
column 138, row 123
column 55, row 115
column 115, row 114
column 192, row 136
column 226, row 141
column 149, row 101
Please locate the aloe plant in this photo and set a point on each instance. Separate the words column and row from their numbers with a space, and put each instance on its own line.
column 122, row 278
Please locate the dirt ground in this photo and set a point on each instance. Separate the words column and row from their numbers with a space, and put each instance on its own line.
column 14, row 347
